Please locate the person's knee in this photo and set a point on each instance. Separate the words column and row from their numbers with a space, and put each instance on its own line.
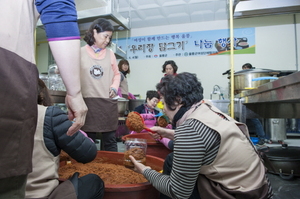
column 91, row 186
column 96, row 181
column 168, row 164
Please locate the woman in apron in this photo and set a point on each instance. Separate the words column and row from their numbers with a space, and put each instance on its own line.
column 100, row 80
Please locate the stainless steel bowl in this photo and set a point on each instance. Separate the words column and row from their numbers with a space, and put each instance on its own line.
column 122, row 106
column 243, row 79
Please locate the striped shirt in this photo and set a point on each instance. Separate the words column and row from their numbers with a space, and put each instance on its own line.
column 195, row 145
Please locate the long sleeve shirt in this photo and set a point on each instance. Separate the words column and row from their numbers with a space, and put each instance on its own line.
column 195, row 145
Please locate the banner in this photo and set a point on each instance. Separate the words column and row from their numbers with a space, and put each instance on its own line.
column 202, row 43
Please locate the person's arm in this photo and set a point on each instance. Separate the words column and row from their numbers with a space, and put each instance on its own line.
column 163, row 132
column 117, row 77
column 70, row 72
column 79, row 146
column 191, row 146
column 60, row 21
column 140, row 109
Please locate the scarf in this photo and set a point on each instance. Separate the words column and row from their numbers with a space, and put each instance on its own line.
column 124, row 73
column 96, row 49
column 148, row 109
column 183, row 114
column 179, row 115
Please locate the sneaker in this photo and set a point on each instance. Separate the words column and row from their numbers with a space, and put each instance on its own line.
column 261, row 142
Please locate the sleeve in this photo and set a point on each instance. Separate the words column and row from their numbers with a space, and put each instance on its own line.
column 122, row 77
column 59, row 18
column 140, row 109
column 165, row 142
column 117, row 76
column 78, row 146
column 189, row 153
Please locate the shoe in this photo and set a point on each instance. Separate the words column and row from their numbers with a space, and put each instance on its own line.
column 261, row 142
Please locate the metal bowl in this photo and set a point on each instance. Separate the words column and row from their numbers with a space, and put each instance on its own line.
column 122, row 106
column 243, row 79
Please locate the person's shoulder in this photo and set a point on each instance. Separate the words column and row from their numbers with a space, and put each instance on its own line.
column 55, row 110
column 139, row 108
column 112, row 54
column 56, row 115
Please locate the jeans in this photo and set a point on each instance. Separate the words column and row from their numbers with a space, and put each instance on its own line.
column 258, row 128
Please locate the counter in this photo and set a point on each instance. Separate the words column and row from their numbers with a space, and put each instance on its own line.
column 276, row 99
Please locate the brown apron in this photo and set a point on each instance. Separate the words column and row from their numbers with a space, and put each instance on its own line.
column 96, row 78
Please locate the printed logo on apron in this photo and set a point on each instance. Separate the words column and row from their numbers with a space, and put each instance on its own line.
column 96, row 71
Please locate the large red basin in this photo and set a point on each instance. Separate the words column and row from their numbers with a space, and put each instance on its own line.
column 130, row 191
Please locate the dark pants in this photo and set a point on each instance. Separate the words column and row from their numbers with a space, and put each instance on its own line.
column 90, row 186
column 108, row 140
column 167, row 171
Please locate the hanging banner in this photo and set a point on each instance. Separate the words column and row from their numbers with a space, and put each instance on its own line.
column 202, row 43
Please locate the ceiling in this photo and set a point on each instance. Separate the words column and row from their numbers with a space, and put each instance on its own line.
column 148, row 13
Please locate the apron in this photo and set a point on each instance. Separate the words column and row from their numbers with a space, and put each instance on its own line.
column 96, row 78
column 217, row 180
column 124, row 87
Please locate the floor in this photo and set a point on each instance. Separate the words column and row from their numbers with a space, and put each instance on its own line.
column 283, row 189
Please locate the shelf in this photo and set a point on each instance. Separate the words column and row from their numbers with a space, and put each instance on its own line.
column 57, row 96
column 276, row 99
column 86, row 15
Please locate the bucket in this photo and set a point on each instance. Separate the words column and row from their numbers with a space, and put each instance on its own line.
column 98, row 144
column 129, row 191
column 122, row 106
column 154, row 147
column 276, row 129
column 254, row 140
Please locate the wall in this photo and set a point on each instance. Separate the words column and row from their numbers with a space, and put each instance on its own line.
column 275, row 49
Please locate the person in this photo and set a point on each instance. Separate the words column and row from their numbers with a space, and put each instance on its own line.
column 124, row 69
column 212, row 151
column 247, row 66
column 259, row 129
column 18, row 77
column 169, row 67
column 147, row 110
column 177, row 120
column 49, row 139
column 100, row 79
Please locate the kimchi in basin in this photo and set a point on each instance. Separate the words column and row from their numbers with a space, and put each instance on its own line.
column 127, row 191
